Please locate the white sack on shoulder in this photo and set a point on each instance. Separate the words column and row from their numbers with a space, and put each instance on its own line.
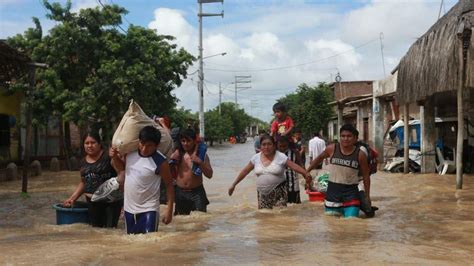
column 125, row 138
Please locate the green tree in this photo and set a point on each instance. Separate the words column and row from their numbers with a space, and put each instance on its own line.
column 240, row 120
column 218, row 127
column 308, row 107
column 181, row 117
column 94, row 69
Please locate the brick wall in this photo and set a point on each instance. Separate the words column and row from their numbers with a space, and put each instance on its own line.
column 351, row 88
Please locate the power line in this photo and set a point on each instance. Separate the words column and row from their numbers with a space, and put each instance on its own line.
column 192, row 73
column 381, row 50
column 312, row 70
column 103, row 6
column 256, row 91
column 124, row 17
column 209, row 91
column 296, row 65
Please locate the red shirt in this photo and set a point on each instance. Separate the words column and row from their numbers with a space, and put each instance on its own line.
column 280, row 127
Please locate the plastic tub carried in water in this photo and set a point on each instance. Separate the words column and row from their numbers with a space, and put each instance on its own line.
column 315, row 195
column 78, row 213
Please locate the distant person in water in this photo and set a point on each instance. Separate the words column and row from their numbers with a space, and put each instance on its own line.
column 282, row 125
column 189, row 189
column 256, row 144
column 346, row 160
column 269, row 166
column 291, row 176
column 300, row 145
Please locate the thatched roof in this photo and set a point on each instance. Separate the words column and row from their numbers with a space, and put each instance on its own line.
column 433, row 63
column 13, row 64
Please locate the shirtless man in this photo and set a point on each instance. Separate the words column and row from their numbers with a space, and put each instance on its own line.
column 189, row 190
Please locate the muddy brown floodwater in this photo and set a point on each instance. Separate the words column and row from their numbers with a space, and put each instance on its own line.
column 422, row 219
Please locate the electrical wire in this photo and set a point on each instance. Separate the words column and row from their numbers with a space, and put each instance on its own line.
column 103, row 6
column 124, row 17
column 209, row 91
column 192, row 73
column 296, row 65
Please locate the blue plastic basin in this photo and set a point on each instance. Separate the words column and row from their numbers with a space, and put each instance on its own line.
column 67, row 215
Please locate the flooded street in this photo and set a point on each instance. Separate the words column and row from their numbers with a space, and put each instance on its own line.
column 422, row 220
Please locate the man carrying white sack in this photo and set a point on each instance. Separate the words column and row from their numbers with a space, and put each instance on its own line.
column 125, row 140
column 144, row 170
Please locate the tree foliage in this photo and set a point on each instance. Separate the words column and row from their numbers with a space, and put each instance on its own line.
column 181, row 117
column 231, row 122
column 308, row 107
column 95, row 69
column 218, row 127
column 240, row 120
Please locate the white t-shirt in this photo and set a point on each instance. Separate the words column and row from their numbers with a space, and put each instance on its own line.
column 269, row 177
column 316, row 146
column 142, row 182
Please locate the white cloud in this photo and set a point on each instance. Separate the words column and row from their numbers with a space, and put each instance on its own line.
column 329, row 48
column 219, row 43
column 290, row 35
column 172, row 22
column 401, row 22
column 82, row 4
column 266, row 46
column 282, row 18
column 247, row 54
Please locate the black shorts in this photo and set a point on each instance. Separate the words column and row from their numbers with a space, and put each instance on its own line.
column 294, row 197
column 341, row 195
column 188, row 200
column 104, row 214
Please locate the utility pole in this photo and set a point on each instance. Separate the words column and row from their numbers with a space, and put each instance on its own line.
column 220, row 98
column 441, row 6
column 201, row 73
column 241, row 83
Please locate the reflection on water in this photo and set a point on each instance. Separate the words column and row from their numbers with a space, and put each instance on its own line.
column 422, row 220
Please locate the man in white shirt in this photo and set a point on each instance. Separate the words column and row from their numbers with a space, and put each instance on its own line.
column 144, row 170
column 316, row 147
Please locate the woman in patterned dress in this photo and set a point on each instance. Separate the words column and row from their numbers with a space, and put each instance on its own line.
column 269, row 165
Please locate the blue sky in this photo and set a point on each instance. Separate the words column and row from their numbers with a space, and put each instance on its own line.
column 281, row 44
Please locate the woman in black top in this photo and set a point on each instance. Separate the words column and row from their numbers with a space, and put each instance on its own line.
column 95, row 170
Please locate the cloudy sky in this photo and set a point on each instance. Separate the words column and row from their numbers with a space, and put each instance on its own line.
column 280, row 44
